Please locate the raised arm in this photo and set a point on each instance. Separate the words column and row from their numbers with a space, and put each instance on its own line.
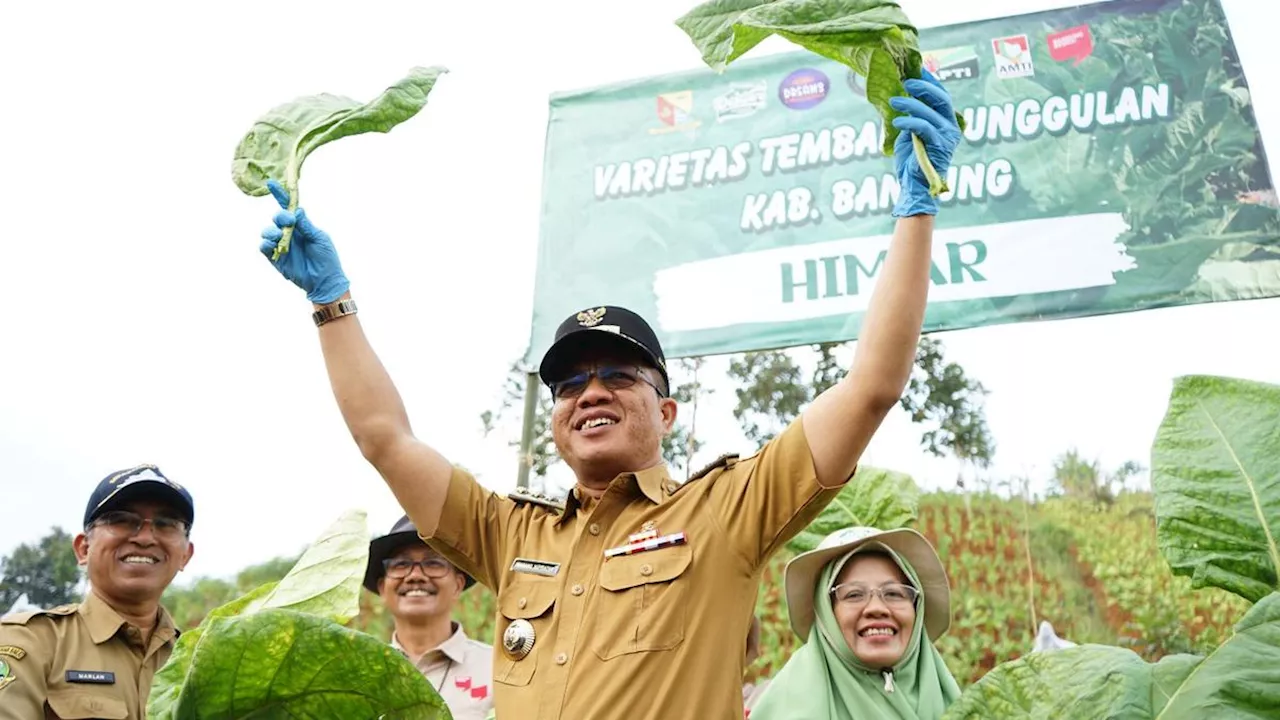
column 371, row 406
column 840, row 422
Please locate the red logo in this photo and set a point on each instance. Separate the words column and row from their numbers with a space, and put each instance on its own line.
column 462, row 683
column 480, row 692
column 1071, row 44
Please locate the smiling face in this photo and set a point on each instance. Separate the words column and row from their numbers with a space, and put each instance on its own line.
column 603, row 432
column 417, row 597
column 878, row 629
column 133, row 567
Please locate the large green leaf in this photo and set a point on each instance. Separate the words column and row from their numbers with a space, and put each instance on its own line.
column 873, row 37
column 1238, row 680
column 1215, row 469
column 1241, row 679
column 278, row 143
column 286, row 664
column 873, row 498
column 325, row 582
column 1094, row 681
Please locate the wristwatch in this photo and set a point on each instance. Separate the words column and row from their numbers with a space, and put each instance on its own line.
column 333, row 311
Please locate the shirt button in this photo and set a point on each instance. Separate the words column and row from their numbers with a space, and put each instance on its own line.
column 594, row 529
column 522, row 603
column 646, row 569
column 577, row 590
column 672, row 487
column 562, row 659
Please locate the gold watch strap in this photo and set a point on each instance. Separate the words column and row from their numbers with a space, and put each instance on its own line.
column 333, row 311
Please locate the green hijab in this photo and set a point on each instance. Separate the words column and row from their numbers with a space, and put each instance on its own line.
column 823, row 680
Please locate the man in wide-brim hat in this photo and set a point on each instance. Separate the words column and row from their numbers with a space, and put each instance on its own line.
column 420, row 589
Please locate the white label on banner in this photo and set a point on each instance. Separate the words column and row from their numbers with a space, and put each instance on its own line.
column 1027, row 257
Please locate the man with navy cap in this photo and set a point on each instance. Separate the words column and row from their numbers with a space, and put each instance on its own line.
column 632, row 599
column 420, row 588
column 97, row 658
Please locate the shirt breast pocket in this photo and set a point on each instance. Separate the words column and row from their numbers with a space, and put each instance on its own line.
column 642, row 606
column 531, row 601
column 81, row 705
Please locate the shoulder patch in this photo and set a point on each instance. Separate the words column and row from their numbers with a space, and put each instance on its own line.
column 725, row 461
column 526, row 496
column 23, row 618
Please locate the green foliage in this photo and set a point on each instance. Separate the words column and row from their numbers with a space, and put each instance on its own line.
column 772, row 391
column 873, row 498
column 874, row 38
column 281, row 649
column 47, row 572
column 278, row 143
column 1216, row 473
column 1081, row 479
column 1217, row 491
column 950, row 403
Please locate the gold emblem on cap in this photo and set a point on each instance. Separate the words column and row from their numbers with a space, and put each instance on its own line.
column 591, row 318
column 518, row 639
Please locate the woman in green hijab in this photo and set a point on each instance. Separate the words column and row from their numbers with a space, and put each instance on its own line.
column 870, row 603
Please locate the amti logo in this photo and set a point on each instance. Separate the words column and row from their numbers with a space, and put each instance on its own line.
column 955, row 63
column 675, row 110
column 804, row 88
column 1013, row 57
column 1071, row 44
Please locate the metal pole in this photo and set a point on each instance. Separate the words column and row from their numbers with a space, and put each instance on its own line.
column 526, row 434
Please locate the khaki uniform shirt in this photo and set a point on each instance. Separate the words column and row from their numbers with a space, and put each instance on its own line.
column 461, row 670
column 655, row 634
column 79, row 661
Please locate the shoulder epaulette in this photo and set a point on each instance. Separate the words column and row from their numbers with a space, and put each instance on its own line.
column 524, row 495
column 22, row 618
column 725, row 461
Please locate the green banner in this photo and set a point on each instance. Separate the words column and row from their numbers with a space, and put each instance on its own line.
column 1111, row 163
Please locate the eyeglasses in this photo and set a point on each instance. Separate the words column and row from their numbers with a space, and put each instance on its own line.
column 858, row 594
column 613, row 378
column 128, row 524
column 401, row 567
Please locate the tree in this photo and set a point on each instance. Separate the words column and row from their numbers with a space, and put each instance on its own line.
column 1076, row 477
column 47, row 572
column 773, row 391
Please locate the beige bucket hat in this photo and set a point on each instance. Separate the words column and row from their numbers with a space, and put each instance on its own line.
column 802, row 573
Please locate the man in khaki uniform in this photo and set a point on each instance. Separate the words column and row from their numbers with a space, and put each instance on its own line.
column 97, row 659
column 633, row 598
column 420, row 589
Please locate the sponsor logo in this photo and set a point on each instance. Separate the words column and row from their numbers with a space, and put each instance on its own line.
column 954, row 63
column 742, row 100
column 675, row 110
column 1071, row 44
column 857, row 84
column 804, row 88
column 1013, row 57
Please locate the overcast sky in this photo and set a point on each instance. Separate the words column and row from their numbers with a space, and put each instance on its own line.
column 140, row 323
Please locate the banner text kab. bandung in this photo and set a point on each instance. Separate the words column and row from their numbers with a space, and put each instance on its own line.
column 1110, row 163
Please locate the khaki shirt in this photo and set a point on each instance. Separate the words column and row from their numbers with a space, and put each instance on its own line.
column 79, row 661
column 461, row 670
column 655, row 634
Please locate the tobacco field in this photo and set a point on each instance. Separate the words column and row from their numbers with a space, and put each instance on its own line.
column 1095, row 574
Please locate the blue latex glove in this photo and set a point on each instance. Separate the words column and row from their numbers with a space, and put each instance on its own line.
column 930, row 116
column 312, row 261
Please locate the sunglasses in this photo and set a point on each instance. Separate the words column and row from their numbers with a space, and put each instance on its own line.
column 613, row 378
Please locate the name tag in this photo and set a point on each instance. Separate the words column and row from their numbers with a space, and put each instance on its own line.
column 92, row 677
column 535, row 567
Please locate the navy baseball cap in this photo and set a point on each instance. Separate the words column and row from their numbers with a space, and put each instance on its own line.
column 606, row 325
column 143, row 481
column 404, row 532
